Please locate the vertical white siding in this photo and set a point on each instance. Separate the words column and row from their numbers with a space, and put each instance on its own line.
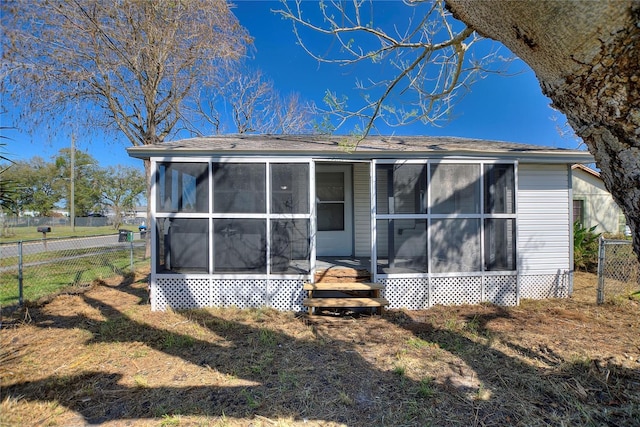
column 361, row 210
column 544, row 221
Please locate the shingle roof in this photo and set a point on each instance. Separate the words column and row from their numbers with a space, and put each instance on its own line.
column 587, row 170
column 343, row 147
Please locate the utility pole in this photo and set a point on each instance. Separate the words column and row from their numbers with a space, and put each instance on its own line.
column 72, row 190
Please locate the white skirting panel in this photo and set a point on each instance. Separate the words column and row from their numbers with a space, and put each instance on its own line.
column 541, row 286
column 180, row 293
column 456, row 290
column 241, row 293
column 420, row 293
column 286, row 294
column 501, row 290
column 412, row 293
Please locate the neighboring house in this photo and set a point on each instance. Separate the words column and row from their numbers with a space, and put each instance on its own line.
column 246, row 221
column 140, row 212
column 593, row 205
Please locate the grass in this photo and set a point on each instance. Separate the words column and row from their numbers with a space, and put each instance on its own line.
column 100, row 356
column 49, row 272
column 30, row 233
column 418, row 343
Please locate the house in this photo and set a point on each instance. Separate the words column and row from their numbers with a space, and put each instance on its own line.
column 593, row 205
column 258, row 220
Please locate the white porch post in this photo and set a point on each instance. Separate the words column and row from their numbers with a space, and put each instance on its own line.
column 372, row 195
column 313, row 222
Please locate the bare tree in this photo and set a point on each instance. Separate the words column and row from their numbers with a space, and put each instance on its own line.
column 127, row 65
column 6, row 186
column 254, row 104
column 421, row 67
column 135, row 64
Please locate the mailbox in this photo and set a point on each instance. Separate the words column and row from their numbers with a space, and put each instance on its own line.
column 125, row 236
column 44, row 229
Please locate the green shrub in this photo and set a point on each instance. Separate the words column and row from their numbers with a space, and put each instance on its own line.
column 585, row 248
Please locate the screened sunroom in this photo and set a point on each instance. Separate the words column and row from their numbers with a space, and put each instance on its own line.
column 248, row 220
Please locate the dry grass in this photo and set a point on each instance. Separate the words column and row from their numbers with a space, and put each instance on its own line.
column 101, row 357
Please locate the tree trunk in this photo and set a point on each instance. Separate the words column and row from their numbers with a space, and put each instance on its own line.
column 586, row 55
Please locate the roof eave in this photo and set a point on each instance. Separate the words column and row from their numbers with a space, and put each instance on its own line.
column 522, row 156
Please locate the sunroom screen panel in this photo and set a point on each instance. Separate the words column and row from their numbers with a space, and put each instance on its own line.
column 290, row 240
column 401, row 189
column 239, row 245
column 409, row 188
column 499, row 189
column 183, row 245
column 455, row 245
column 290, row 188
column 455, row 188
column 182, row 187
column 404, row 242
column 500, row 244
column 239, row 188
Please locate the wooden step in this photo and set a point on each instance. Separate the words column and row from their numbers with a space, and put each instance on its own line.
column 342, row 286
column 342, row 274
column 345, row 302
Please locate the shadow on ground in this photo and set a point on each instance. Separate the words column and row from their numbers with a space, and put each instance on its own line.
column 264, row 367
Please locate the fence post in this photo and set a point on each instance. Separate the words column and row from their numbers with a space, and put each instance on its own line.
column 131, row 254
column 601, row 259
column 20, row 298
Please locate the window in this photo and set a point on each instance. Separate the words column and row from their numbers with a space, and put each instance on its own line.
column 330, row 193
column 578, row 211
column 182, row 187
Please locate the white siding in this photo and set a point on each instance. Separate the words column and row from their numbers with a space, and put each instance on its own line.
column 361, row 209
column 544, row 219
column 599, row 207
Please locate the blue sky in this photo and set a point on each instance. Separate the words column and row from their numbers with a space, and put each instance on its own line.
column 508, row 108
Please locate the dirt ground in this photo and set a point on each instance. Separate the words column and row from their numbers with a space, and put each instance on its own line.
column 99, row 356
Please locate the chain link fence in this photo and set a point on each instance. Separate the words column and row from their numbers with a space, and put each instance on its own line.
column 618, row 270
column 32, row 269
